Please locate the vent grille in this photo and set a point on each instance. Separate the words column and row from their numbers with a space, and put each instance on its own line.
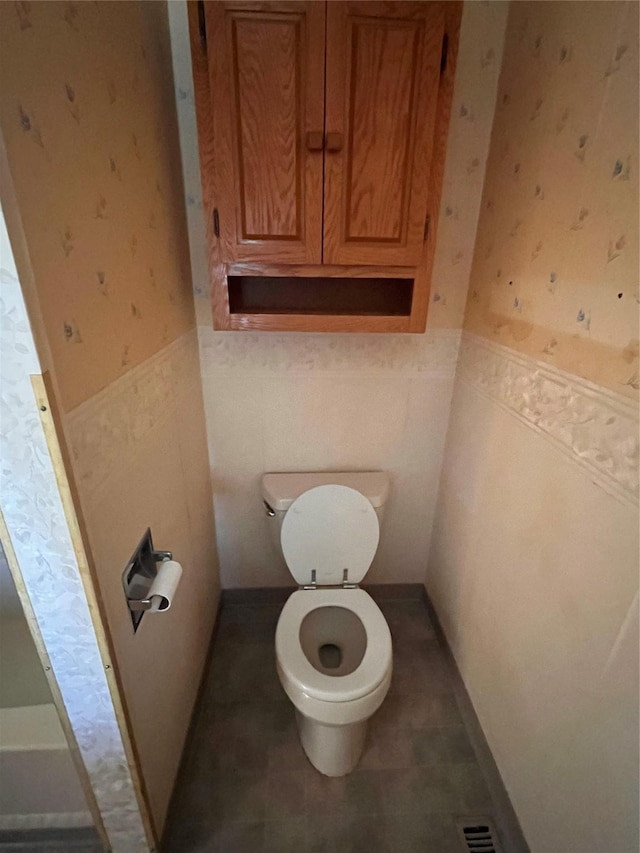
column 479, row 836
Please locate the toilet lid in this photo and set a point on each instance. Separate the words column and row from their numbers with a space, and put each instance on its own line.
column 330, row 529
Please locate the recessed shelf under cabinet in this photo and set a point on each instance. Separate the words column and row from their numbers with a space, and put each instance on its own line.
column 320, row 296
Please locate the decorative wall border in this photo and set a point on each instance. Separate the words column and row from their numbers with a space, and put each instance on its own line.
column 434, row 353
column 595, row 427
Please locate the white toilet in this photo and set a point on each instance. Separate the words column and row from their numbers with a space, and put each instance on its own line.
column 333, row 645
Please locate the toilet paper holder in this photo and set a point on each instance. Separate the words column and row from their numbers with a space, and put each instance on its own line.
column 139, row 574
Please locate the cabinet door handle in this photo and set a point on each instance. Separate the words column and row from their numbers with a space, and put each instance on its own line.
column 334, row 142
column 315, row 140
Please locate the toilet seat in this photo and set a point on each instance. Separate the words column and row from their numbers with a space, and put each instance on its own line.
column 328, row 530
column 292, row 661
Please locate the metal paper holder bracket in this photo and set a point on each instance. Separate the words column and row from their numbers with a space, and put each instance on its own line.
column 136, row 604
column 139, row 574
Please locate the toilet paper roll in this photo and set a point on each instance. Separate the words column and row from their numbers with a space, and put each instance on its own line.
column 164, row 586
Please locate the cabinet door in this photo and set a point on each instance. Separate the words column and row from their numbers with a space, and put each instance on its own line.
column 266, row 65
column 383, row 66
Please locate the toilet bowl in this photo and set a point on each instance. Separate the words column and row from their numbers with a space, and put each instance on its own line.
column 333, row 644
column 333, row 703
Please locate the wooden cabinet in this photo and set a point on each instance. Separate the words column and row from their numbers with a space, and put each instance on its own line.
column 383, row 66
column 267, row 84
column 320, row 128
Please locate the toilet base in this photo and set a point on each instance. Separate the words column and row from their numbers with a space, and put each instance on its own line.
column 333, row 750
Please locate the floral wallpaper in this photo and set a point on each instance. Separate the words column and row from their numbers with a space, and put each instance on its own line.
column 474, row 99
column 555, row 271
column 88, row 118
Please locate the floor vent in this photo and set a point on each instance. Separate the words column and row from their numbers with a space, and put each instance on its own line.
column 479, row 836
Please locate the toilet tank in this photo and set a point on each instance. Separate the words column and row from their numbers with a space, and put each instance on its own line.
column 280, row 490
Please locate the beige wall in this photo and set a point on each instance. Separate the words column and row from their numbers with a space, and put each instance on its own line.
column 88, row 115
column 534, row 559
column 534, row 574
column 140, row 458
column 335, row 402
column 555, row 273
column 22, row 680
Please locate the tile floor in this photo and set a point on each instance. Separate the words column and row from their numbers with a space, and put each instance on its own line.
column 246, row 785
column 50, row 841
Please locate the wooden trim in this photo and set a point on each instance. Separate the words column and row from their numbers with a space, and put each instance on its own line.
column 220, row 308
column 56, row 695
column 206, row 148
column 318, row 323
column 280, row 6
column 422, row 286
column 320, row 271
column 421, row 293
column 61, row 462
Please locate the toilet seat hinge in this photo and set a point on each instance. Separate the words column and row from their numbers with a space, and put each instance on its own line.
column 344, row 585
column 345, row 580
column 313, row 584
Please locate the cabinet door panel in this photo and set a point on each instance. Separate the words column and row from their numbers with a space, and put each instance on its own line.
column 383, row 64
column 267, row 89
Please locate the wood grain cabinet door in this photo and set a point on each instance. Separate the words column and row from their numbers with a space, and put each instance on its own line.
column 383, row 66
column 266, row 66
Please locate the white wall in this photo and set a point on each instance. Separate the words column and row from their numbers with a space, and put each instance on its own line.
column 333, row 402
column 534, row 574
column 303, row 406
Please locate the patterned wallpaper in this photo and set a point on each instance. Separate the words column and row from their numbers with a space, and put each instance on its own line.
column 88, row 117
column 555, row 272
column 474, row 100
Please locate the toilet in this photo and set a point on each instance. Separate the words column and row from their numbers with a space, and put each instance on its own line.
column 333, row 644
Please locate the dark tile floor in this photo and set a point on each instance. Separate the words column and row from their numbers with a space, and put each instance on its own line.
column 85, row 840
column 246, row 785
